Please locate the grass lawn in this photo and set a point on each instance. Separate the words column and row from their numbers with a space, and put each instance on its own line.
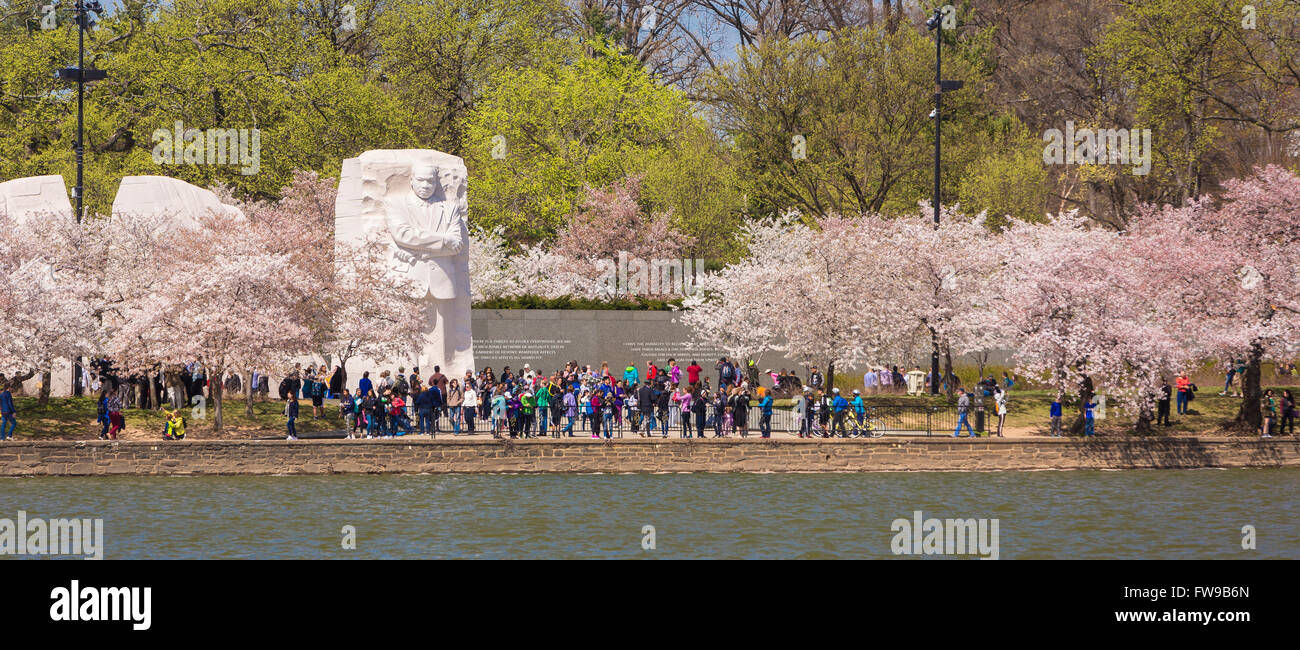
column 73, row 418
column 1027, row 412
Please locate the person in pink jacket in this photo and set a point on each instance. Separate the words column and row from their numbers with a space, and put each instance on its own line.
column 683, row 400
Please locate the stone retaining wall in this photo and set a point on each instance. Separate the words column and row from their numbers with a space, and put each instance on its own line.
column 77, row 458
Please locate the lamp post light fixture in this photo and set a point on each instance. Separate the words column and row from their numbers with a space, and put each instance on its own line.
column 81, row 76
column 935, row 24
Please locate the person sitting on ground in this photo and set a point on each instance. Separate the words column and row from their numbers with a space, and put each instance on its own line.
column 174, row 427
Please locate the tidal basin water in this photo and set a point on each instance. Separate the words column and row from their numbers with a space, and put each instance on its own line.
column 1076, row 514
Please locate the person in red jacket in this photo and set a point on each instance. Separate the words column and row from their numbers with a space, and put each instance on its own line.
column 1184, row 385
column 693, row 373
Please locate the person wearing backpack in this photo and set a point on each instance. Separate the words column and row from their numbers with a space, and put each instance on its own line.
column 365, row 414
column 1184, row 386
column 379, row 415
column 400, row 387
column 437, row 400
column 174, row 428
column 317, row 400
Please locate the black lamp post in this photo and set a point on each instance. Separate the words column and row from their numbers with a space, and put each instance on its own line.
column 81, row 75
column 934, row 24
column 81, row 11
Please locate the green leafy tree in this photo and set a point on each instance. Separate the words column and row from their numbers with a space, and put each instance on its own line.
column 542, row 133
column 842, row 124
column 1215, row 81
column 701, row 183
column 439, row 57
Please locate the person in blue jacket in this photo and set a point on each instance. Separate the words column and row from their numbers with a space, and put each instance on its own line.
column 365, row 385
column 765, row 422
column 840, row 407
column 1055, row 414
column 436, row 401
column 424, row 409
column 8, row 414
column 859, row 407
column 1087, row 418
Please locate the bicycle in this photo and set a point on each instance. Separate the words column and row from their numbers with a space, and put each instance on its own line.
column 873, row 427
column 817, row 428
column 859, row 425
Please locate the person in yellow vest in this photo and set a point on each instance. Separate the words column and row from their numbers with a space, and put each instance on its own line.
column 175, row 427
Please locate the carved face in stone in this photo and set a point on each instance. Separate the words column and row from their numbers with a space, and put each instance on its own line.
column 451, row 180
column 424, row 180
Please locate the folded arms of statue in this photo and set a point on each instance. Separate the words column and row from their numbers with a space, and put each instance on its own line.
column 416, row 242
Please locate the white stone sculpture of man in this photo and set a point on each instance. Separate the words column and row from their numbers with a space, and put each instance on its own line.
column 431, row 241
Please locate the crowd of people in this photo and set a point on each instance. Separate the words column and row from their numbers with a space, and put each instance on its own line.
column 600, row 402
column 604, row 402
column 526, row 402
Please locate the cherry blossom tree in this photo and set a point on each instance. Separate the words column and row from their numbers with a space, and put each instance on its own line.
column 609, row 229
column 611, row 221
column 488, row 257
column 43, row 316
column 726, row 310
column 1081, row 308
column 812, row 293
column 941, row 279
column 348, row 302
column 211, row 293
column 1238, row 281
column 371, row 314
column 1053, row 294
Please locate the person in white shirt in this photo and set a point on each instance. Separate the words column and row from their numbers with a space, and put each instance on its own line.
column 470, row 407
column 1000, row 398
column 869, row 380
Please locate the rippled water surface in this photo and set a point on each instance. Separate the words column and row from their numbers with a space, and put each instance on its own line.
column 1082, row 514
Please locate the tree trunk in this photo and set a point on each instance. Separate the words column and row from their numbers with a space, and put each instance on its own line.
column 948, row 374
column 1086, row 393
column 1145, row 415
column 180, row 396
column 15, row 383
column 248, row 400
column 215, row 388
column 830, row 378
column 43, row 397
column 1248, row 416
column 933, row 370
